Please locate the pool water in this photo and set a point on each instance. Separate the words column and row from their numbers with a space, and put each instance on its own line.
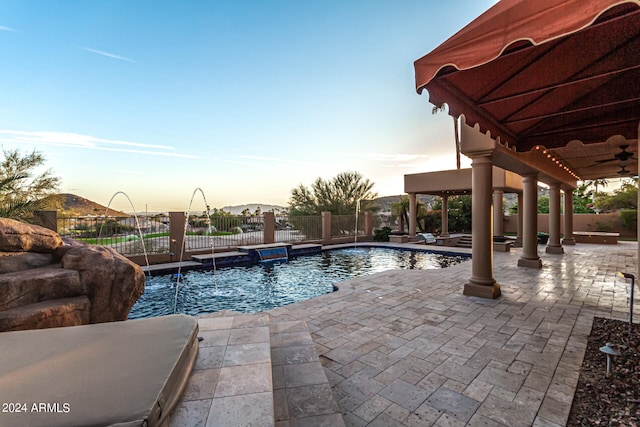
column 262, row 287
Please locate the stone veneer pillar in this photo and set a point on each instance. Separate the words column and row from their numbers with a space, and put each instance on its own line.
column 530, row 256
column 498, row 213
column 413, row 213
column 46, row 219
column 269, row 229
column 568, row 219
column 482, row 283
column 444, row 216
column 368, row 224
column 554, row 246
column 326, row 227
column 177, row 224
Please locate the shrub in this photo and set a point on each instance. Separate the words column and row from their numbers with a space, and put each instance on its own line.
column 382, row 234
column 629, row 219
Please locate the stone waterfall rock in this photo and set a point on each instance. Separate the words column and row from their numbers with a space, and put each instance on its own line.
column 45, row 282
column 16, row 236
column 113, row 282
column 19, row 261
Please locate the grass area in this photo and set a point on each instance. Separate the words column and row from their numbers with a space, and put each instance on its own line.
column 107, row 240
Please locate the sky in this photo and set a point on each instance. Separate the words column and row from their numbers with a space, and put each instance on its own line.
column 243, row 100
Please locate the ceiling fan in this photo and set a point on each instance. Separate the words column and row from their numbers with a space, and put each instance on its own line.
column 623, row 171
column 623, row 157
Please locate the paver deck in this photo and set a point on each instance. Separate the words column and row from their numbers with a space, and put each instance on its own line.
column 406, row 348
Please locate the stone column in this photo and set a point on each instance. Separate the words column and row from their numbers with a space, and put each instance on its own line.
column 568, row 219
column 554, row 246
column 518, row 242
column 269, row 227
column 530, row 256
column 444, row 216
column 177, row 228
column 326, row 227
column 498, row 213
column 368, row 225
column 482, row 283
column 46, row 219
column 413, row 214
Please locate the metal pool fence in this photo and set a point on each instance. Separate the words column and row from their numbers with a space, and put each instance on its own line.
column 119, row 233
column 345, row 225
column 222, row 232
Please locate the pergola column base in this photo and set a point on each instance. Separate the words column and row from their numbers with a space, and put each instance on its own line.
column 555, row 250
column 569, row 241
column 517, row 243
column 482, row 291
column 530, row 263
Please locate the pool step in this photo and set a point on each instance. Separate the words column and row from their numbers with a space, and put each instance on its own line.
column 464, row 242
column 251, row 371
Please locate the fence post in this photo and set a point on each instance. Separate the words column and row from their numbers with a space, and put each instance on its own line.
column 326, row 227
column 46, row 219
column 269, row 227
column 368, row 224
column 177, row 222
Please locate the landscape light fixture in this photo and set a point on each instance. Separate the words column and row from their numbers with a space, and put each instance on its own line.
column 633, row 280
column 611, row 353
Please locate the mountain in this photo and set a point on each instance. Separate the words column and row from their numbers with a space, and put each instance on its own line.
column 73, row 205
column 264, row 207
column 386, row 201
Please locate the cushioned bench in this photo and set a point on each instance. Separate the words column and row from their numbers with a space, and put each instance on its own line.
column 596, row 237
column 129, row 373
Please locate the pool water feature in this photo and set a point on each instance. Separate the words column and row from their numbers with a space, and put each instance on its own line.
column 261, row 287
column 273, row 254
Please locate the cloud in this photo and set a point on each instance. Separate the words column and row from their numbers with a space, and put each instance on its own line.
column 3, row 28
column 75, row 140
column 107, row 54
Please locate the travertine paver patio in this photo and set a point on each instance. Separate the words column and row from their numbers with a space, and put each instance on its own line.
column 406, row 348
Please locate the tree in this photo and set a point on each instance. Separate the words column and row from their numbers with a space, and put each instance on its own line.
column 459, row 212
column 21, row 187
column 626, row 197
column 581, row 202
column 543, row 204
column 339, row 195
column 401, row 209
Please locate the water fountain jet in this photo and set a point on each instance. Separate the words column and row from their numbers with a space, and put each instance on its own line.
column 179, row 275
column 135, row 215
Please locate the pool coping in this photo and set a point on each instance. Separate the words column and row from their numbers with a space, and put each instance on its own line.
column 237, row 258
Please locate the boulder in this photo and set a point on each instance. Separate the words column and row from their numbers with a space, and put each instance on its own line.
column 47, row 314
column 47, row 283
column 16, row 236
column 38, row 284
column 113, row 282
column 19, row 261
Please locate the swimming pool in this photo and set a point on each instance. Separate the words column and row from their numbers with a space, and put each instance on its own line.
column 261, row 287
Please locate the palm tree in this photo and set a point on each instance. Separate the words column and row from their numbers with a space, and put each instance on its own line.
column 10, row 206
column 401, row 208
column 595, row 183
column 456, row 135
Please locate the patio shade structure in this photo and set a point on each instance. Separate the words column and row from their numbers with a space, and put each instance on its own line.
column 548, row 89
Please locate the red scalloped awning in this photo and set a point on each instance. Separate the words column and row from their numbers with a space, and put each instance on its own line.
column 508, row 22
column 543, row 72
